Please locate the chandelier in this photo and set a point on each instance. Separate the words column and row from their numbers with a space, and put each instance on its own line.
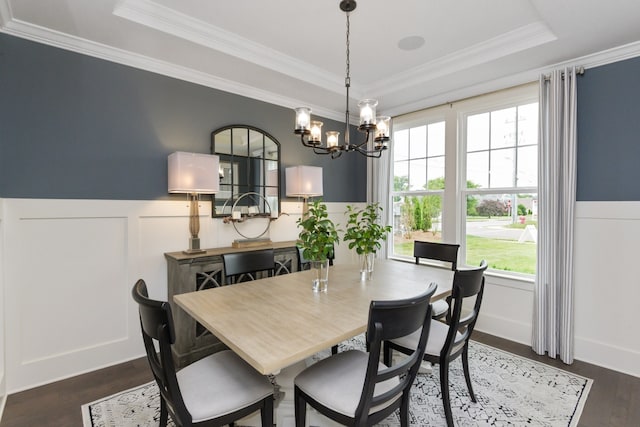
column 311, row 131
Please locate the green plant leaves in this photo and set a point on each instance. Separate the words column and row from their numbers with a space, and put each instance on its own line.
column 363, row 229
column 318, row 234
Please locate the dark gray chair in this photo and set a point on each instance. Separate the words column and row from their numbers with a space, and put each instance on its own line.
column 214, row 391
column 447, row 252
column 353, row 387
column 448, row 342
column 303, row 263
column 244, row 266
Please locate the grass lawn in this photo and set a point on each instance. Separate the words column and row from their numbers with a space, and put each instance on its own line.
column 508, row 255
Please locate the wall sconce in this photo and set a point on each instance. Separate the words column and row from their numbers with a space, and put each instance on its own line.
column 193, row 174
column 305, row 182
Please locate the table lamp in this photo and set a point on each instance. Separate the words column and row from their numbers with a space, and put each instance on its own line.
column 305, row 182
column 193, row 174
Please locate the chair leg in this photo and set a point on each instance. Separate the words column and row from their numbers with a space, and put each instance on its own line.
column 444, row 387
column 465, row 368
column 300, row 408
column 334, row 350
column 404, row 410
column 163, row 413
column 266, row 412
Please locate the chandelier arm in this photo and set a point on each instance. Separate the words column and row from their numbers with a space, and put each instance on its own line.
column 370, row 153
column 366, row 140
column 307, row 143
column 323, row 150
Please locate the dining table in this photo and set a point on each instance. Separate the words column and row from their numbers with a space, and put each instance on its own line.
column 279, row 325
column 277, row 321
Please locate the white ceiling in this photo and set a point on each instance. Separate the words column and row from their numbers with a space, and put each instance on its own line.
column 292, row 53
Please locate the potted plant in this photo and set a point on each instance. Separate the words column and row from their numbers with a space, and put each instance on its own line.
column 317, row 239
column 364, row 233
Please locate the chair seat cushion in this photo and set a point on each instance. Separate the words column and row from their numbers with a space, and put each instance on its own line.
column 337, row 381
column 437, row 336
column 439, row 307
column 220, row 384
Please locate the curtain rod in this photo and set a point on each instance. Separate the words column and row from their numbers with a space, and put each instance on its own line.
column 579, row 71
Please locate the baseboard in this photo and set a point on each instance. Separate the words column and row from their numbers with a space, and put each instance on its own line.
column 608, row 356
column 75, row 374
column 596, row 353
column 3, row 403
column 504, row 328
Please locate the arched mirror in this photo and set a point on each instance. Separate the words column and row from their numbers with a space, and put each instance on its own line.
column 249, row 163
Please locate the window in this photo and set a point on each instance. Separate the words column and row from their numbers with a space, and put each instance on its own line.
column 418, row 184
column 467, row 173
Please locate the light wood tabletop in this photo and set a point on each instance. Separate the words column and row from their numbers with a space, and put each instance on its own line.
column 275, row 322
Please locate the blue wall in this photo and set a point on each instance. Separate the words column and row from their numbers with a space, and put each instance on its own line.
column 609, row 132
column 77, row 127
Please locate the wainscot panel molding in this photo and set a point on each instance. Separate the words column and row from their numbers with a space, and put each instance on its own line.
column 607, row 287
column 607, row 290
column 70, row 266
column 512, row 320
column 3, row 382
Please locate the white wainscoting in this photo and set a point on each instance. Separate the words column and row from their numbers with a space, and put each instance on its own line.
column 607, row 290
column 3, row 382
column 607, row 286
column 69, row 266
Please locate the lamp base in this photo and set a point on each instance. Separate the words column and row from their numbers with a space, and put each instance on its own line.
column 193, row 251
column 194, row 247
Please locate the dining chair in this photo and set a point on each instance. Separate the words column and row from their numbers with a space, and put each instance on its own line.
column 448, row 342
column 244, row 266
column 214, row 391
column 353, row 387
column 304, row 264
column 447, row 252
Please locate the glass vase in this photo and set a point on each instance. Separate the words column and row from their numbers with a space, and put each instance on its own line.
column 320, row 270
column 366, row 266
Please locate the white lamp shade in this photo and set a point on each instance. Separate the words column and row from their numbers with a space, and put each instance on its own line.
column 304, row 181
column 193, row 173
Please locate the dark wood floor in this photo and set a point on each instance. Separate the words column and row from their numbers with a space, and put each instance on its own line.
column 614, row 399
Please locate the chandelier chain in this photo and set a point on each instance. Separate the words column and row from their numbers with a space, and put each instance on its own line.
column 348, row 52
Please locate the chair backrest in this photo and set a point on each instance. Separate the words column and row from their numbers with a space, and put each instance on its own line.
column 467, row 283
column 156, row 323
column 389, row 320
column 447, row 252
column 303, row 263
column 243, row 266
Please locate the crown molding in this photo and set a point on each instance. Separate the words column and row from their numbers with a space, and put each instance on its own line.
column 15, row 27
column 177, row 24
column 526, row 37
column 97, row 50
column 598, row 59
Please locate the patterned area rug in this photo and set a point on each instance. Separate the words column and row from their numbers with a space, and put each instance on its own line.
column 511, row 391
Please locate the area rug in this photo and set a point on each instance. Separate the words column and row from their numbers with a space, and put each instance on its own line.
column 511, row 391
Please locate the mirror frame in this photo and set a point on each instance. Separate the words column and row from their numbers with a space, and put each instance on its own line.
column 216, row 211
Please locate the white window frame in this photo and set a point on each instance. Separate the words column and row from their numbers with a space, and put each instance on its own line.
column 455, row 192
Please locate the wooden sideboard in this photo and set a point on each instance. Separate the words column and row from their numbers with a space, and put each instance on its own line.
column 188, row 273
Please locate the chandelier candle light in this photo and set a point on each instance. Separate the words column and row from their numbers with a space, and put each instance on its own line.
column 370, row 124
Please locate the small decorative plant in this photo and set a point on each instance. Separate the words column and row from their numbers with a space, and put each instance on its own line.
column 364, row 233
column 319, row 233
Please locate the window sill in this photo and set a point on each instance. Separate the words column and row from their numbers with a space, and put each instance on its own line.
column 493, row 278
